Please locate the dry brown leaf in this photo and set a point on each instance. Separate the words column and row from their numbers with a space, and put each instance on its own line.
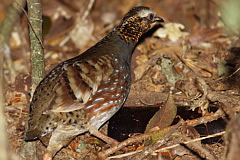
column 194, row 66
column 140, row 70
column 170, row 51
column 187, row 87
column 165, row 116
column 149, row 86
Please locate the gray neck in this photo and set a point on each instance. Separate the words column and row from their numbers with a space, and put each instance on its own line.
column 122, row 48
column 111, row 44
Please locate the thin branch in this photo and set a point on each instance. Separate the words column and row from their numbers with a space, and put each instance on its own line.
column 12, row 16
column 205, row 119
column 148, row 150
column 198, row 149
column 37, row 56
column 169, row 147
column 28, row 149
column 86, row 13
column 6, row 27
column 234, row 73
column 39, row 39
column 191, row 141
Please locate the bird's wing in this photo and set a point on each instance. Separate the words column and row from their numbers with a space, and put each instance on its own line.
column 74, row 84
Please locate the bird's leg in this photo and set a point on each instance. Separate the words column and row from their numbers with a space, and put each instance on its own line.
column 56, row 142
column 105, row 138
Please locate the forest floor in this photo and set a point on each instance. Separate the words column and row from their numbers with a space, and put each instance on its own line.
column 191, row 63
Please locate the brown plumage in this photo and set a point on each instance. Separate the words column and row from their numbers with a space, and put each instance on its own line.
column 81, row 94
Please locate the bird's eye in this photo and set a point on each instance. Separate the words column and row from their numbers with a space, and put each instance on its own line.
column 150, row 16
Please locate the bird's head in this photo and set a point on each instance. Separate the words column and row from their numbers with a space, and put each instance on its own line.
column 137, row 21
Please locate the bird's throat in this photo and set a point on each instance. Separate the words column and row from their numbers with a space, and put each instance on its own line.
column 132, row 30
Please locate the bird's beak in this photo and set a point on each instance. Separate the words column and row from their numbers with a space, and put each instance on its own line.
column 158, row 19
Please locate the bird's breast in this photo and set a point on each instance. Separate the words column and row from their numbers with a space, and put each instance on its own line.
column 110, row 95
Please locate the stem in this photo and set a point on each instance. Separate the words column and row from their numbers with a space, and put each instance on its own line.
column 37, row 56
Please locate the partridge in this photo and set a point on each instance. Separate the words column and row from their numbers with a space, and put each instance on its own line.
column 81, row 94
